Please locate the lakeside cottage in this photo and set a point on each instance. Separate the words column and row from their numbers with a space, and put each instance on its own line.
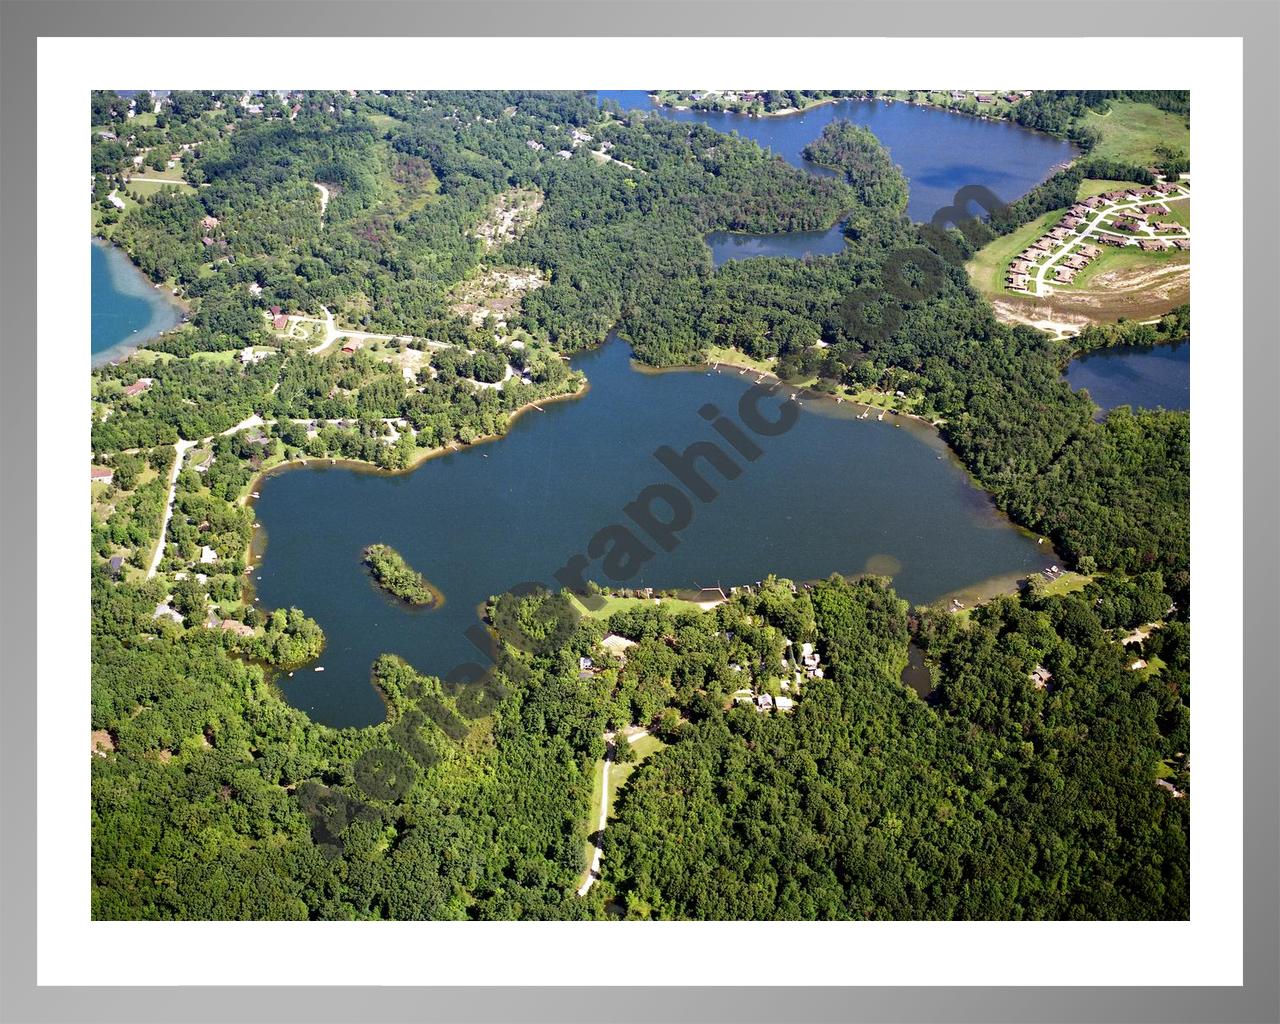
column 238, row 628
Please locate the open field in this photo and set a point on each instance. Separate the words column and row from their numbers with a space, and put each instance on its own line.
column 986, row 269
column 1117, row 263
column 1096, row 186
column 1132, row 131
column 620, row 604
column 150, row 188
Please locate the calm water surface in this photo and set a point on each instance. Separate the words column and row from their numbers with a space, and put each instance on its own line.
column 939, row 152
column 742, row 245
column 126, row 309
column 1145, row 377
column 833, row 494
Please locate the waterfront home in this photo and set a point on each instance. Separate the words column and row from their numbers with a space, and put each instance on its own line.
column 238, row 628
column 983, row 97
column 101, row 474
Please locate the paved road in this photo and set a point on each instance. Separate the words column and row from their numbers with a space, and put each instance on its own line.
column 1096, row 225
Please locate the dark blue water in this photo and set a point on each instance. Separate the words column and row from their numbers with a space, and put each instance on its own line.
column 742, row 245
column 939, row 152
column 832, row 494
column 126, row 310
column 1139, row 376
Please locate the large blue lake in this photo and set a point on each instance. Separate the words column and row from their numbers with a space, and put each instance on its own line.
column 833, row 494
column 1145, row 377
column 126, row 309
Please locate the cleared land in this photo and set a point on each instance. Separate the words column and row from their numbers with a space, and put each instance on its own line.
column 1132, row 131
column 621, row 604
column 986, row 269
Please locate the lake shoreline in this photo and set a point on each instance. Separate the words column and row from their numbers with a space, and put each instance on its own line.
column 168, row 312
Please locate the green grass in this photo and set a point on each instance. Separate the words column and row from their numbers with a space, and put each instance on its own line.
column 223, row 358
column 146, row 189
column 723, row 354
column 1132, row 131
column 1122, row 259
column 1067, row 583
column 1179, row 211
column 987, row 268
column 1096, row 186
column 618, row 604
column 148, row 356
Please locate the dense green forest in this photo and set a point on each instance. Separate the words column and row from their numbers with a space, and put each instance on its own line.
column 998, row 798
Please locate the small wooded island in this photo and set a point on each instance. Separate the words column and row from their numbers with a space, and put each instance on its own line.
column 394, row 575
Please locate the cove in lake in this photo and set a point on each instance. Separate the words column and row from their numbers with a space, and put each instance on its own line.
column 938, row 151
column 832, row 494
column 126, row 309
column 1142, row 376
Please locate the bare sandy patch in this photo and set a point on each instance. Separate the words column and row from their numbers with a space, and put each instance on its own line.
column 510, row 215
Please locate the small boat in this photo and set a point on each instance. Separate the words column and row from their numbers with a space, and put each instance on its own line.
column 319, row 668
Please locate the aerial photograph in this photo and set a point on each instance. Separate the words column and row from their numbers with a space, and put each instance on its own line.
column 654, row 505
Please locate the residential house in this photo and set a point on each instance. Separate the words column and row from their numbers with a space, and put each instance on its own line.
column 1064, row 275
column 1152, row 244
column 238, row 628
column 116, row 565
column 138, row 386
column 101, row 474
column 1182, row 243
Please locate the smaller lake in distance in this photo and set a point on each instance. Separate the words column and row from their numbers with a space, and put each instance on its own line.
column 742, row 245
column 1144, row 377
column 126, row 310
column 938, row 151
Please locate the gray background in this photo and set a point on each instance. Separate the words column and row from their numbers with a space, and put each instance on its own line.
column 21, row 23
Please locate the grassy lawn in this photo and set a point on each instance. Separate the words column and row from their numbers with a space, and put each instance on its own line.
column 1067, row 583
column 1096, row 186
column 1128, row 258
column 986, row 269
column 1132, row 131
column 148, row 356
column 146, row 189
column 722, row 354
column 618, row 604
column 884, row 400
column 173, row 174
column 1179, row 211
